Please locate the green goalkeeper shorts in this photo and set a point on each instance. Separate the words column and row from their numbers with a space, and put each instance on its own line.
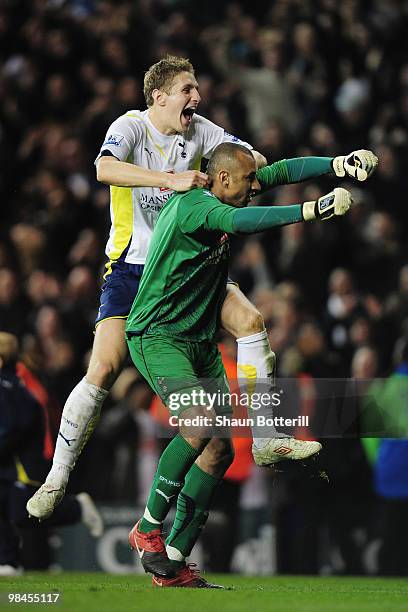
column 181, row 372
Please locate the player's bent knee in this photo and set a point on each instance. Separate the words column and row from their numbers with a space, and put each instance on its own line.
column 102, row 373
column 196, row 424
column 220, row 453
column 200, row 433
column 198, row 444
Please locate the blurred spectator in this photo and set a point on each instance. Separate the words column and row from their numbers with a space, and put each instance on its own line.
column 26, row 449
column 267, row 92
column 344, row 306
column 396, row 306
column 14, row 306
column 390, row 466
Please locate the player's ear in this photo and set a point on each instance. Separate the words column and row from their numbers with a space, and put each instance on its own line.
column 159, row 97
column 223, row 177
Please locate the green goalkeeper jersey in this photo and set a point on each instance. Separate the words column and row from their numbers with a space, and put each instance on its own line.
column 184, row 279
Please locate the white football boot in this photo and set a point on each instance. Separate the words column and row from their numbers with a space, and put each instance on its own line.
column 44, row 501
column 281, row 449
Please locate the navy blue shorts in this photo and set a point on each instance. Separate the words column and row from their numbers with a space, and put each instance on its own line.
column 119, row 290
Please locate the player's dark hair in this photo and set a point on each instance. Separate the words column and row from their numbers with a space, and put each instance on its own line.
column 224, row 157
column 161, row 75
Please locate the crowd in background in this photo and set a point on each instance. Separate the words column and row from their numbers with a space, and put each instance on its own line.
column 294, row 78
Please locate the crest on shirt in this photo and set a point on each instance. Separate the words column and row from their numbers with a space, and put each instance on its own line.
column 183, row 149
column 114, row 139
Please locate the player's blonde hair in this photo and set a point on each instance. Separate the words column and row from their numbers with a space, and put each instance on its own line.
column 161, row 75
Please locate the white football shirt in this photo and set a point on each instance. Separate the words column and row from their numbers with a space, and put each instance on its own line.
column 133, row 138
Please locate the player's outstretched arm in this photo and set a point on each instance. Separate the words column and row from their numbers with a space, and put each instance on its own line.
column 259, row 218
column 358, row 165
column 211, row 214
column 111, row 171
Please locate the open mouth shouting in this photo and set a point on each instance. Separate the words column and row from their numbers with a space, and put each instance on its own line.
column 187, row 116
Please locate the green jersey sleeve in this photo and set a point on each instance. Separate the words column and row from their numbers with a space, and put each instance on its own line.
column 202, row 210
column 199, row 209
column 293, row 171
column 260, row 218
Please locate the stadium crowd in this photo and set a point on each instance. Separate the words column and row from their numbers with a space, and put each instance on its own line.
column 294, row 78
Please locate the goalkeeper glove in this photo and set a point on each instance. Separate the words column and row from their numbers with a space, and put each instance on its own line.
column 359, row 164
column 336, row 203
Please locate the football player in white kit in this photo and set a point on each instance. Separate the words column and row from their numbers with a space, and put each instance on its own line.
column 146, row 156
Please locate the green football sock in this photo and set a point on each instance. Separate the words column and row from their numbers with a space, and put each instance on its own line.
column 175, row 462
column 193, row 503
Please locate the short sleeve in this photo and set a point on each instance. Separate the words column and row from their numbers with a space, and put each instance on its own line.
column 214, row 135
column 121, row 138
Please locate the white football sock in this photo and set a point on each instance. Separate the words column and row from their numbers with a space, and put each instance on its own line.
column 256, row 373
column 79, row 417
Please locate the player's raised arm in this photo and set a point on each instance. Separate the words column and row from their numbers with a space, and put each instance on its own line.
column 260, row 218
column 211, row 214
column 234, row 181
column 358, row 165
column 111, row 171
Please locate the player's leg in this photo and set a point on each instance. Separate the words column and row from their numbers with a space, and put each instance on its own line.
column 256, row 366
column 83, row 406
column 81, row 414
column 203, row 478
column 194, row 500
column 152, row 357
column 255, row 359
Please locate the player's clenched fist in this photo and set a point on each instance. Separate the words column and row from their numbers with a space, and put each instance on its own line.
column 260, row 159
column 336, row 203
column 184, row 181
column 359, row 164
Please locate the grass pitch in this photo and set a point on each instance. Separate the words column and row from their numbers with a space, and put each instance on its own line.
column 99, row 592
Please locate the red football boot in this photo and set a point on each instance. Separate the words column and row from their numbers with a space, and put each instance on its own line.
column 187, row 577
column 152, row 552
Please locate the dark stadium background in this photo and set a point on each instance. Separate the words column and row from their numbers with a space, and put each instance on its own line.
column 293, row 77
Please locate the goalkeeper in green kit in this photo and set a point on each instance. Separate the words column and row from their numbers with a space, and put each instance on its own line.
column 171, row 328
